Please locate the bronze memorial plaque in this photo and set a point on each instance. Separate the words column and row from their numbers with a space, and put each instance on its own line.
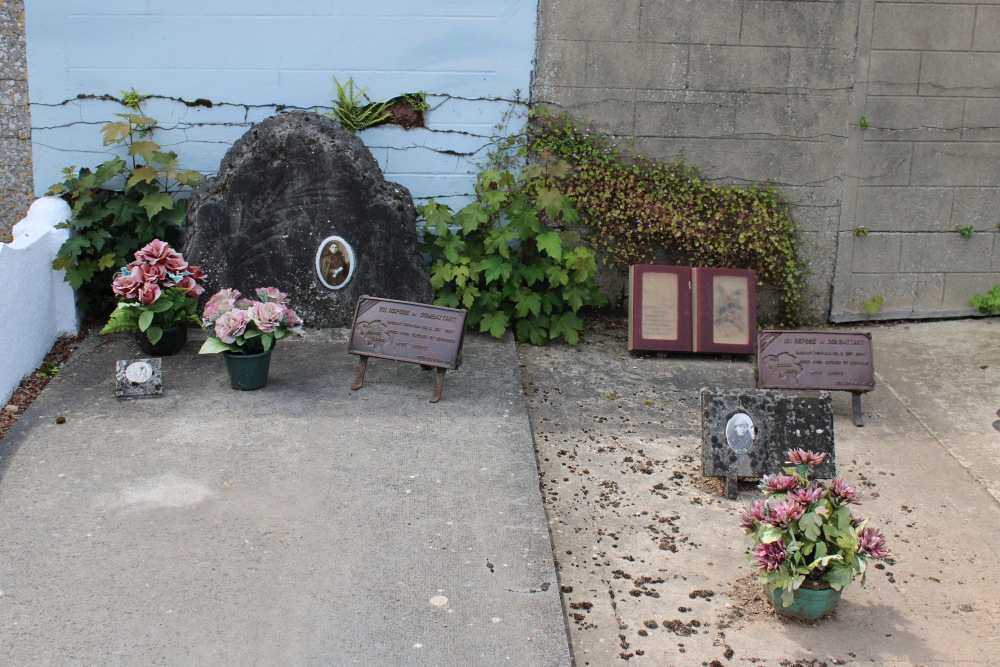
column 405, row 331
column 815, row 360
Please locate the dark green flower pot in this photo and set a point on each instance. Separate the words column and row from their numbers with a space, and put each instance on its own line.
column 808, row 604
column 247, row 371
column 170, row 342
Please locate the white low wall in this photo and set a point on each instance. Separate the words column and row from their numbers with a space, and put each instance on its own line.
column 36, row 305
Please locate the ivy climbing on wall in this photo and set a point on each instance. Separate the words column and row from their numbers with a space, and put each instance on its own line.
column 636, row 208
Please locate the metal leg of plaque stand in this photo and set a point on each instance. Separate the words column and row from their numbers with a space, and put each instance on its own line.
column 856, row 406
column 438, row 385
column 732, row 490
column 359, row 379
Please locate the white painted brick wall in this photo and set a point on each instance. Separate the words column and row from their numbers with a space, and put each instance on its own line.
column 36, row 305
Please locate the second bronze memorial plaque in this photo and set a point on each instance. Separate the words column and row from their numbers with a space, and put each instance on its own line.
column 816, row 360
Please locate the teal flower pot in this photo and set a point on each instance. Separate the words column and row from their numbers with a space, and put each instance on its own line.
column 808, row 604
column 247, row 371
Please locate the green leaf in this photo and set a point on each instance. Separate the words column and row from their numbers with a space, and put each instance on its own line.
column 495, row 268
column 122, row 319
column 526, row 302
column 498, row 239
column 469, row 296
column 551, row 243
column 156, row 202
column 558, row 276
column 141, row 175
column 567, row 325
column 811, row 524
column 154, row 334
column 770, row 534
column 188, row 177
column 115, row 132
column 107, row 260
column 839, row 576
column 213, row 345
column 144, row 149
column 532, row 274
column 472, row 217
column 551, row 200
column 145, row 319
column 267, row 340
column 163, row 304
column 534, row 329
column 496, row 323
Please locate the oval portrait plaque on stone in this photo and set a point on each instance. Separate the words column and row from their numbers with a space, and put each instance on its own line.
column 334, row 262
column 740, row 432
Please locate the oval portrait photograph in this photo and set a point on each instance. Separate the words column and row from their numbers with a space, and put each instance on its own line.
column 740, row 432
column 334, row 262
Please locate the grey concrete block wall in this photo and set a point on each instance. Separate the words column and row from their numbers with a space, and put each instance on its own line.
column 15, row 123
column 775, row 91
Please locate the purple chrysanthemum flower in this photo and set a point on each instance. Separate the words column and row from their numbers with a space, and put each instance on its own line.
column 770, row 557
column 782, row 512
column 779, row 483
column 844, row 493
column 806, row 497
column 872, row 542
column 798, row 457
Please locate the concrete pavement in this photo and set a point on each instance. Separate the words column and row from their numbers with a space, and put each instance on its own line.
column 306, row 524
column 653, row 558
column 302, row 524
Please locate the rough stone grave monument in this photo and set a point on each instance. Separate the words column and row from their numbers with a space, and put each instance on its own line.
column 300, row 203
column 748, row 432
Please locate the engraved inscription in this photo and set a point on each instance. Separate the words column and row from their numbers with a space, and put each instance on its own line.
column 815, row 360
column 419, row 333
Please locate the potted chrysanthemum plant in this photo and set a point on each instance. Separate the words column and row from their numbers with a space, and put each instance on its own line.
column 807, row 542
column 245, row 331
column 157, row 299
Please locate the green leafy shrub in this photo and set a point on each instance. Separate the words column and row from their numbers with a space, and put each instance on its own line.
column 120, row 206
column 511, row 257
column 989, row 303
column 636, row 207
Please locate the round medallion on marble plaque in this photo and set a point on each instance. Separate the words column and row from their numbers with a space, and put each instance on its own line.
column 138, row 372
column 334, row 262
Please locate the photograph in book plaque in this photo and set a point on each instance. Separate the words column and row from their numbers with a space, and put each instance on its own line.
column 139, row 378
column 826, row 360
column 417, row 333
column 725, row 310
column 746, row 433
column 685, row 309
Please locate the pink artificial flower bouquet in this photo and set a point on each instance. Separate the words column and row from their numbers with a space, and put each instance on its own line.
column 245, row 326
column 158, row 291
column 805, row 534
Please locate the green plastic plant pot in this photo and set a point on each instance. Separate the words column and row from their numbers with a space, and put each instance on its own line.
column 808, row 605
column 247, row 371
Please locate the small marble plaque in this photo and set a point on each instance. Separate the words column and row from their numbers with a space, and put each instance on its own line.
column 748, row 432
column 139, row 378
